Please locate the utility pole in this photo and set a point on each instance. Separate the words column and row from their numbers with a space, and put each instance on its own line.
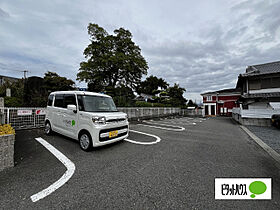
column 24, row 73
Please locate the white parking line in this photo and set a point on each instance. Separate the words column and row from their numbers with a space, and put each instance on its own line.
column 179, row 128
column 65, row 177
column 182, row 122
column 144, row 143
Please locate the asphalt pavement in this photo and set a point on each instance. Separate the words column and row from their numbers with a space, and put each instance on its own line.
column 178, row 172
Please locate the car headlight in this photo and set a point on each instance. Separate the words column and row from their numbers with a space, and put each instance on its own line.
column 99, row 120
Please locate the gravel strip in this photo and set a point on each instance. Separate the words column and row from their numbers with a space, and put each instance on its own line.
column 269, row 135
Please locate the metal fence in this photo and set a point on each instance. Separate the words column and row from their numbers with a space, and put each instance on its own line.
column 23, row 117
column 34, row 117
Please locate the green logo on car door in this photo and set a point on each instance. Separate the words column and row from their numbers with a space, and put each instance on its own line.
column 73, row 122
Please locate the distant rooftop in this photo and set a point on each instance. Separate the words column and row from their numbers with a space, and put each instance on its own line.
column 3, row 76
column 223, row 91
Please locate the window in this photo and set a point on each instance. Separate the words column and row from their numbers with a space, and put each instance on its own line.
column 58, row 102
column 266, row 83
column 254, row 84
column 69, row 99
column 275, row 82
column 209, row 98
column 50, row 100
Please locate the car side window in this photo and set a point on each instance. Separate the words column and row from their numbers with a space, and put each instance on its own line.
column 69, row 99
column 58, row 101
column 50, row 100
column 81, row 103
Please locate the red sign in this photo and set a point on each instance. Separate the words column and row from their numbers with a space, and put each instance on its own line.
column 40, row 112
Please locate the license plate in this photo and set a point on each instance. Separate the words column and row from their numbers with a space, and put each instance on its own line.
column 113, row 134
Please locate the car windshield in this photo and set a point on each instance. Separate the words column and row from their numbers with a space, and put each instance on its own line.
column 97, row 104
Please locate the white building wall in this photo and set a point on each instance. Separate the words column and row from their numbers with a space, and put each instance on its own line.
column 260, row 105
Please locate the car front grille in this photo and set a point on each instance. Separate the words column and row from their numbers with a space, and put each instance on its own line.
column 115, row 120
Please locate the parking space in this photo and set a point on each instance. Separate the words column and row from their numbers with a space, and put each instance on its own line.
column 175, row 172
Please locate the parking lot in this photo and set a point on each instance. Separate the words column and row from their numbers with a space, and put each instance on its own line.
column 164, row 164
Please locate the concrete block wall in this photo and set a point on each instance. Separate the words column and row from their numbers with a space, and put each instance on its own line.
column 252, row 121
column 135, row 113
column 7, row 151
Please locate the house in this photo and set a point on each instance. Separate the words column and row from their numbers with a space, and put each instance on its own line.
column 4, row 79
column 260, row 94
column 260, row 86
column 220, row 102
column 145, row 97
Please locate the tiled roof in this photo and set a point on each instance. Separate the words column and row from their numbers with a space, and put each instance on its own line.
column 266, row 68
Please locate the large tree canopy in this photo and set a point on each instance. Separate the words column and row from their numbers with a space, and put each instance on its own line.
column 112, row 60
column 151, row 84
column 54, row 82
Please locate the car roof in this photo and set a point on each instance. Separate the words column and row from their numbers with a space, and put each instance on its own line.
column 81, row 93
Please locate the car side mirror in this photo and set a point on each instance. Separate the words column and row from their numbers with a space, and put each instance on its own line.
column 72, row 107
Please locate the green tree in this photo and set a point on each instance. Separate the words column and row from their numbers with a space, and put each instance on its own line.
column 192, row 104
column 34, row 92
column 176, row 95
column 37, row 89
column 123, row 96
column 16, row 99
column 54, row 82
column 112, row 60
column 151, row 84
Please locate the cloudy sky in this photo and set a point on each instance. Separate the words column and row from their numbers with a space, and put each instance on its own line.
column 202, row 45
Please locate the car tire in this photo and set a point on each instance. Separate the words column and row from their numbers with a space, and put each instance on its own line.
column 85, row 141
column 277, row 124
column 48, row 128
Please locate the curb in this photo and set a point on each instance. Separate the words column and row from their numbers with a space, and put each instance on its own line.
column 267, row 148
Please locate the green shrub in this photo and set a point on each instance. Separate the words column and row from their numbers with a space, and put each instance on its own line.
column 12, row 102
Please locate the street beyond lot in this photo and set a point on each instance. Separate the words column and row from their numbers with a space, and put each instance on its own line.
column 177, row 172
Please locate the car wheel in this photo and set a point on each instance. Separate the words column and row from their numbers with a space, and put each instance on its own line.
column 48, row 128
column 277, row 124
column 85, row 141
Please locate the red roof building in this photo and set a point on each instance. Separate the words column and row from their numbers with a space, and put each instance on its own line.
column 220, row 102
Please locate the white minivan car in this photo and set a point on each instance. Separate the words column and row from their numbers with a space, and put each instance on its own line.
column 91, row 118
